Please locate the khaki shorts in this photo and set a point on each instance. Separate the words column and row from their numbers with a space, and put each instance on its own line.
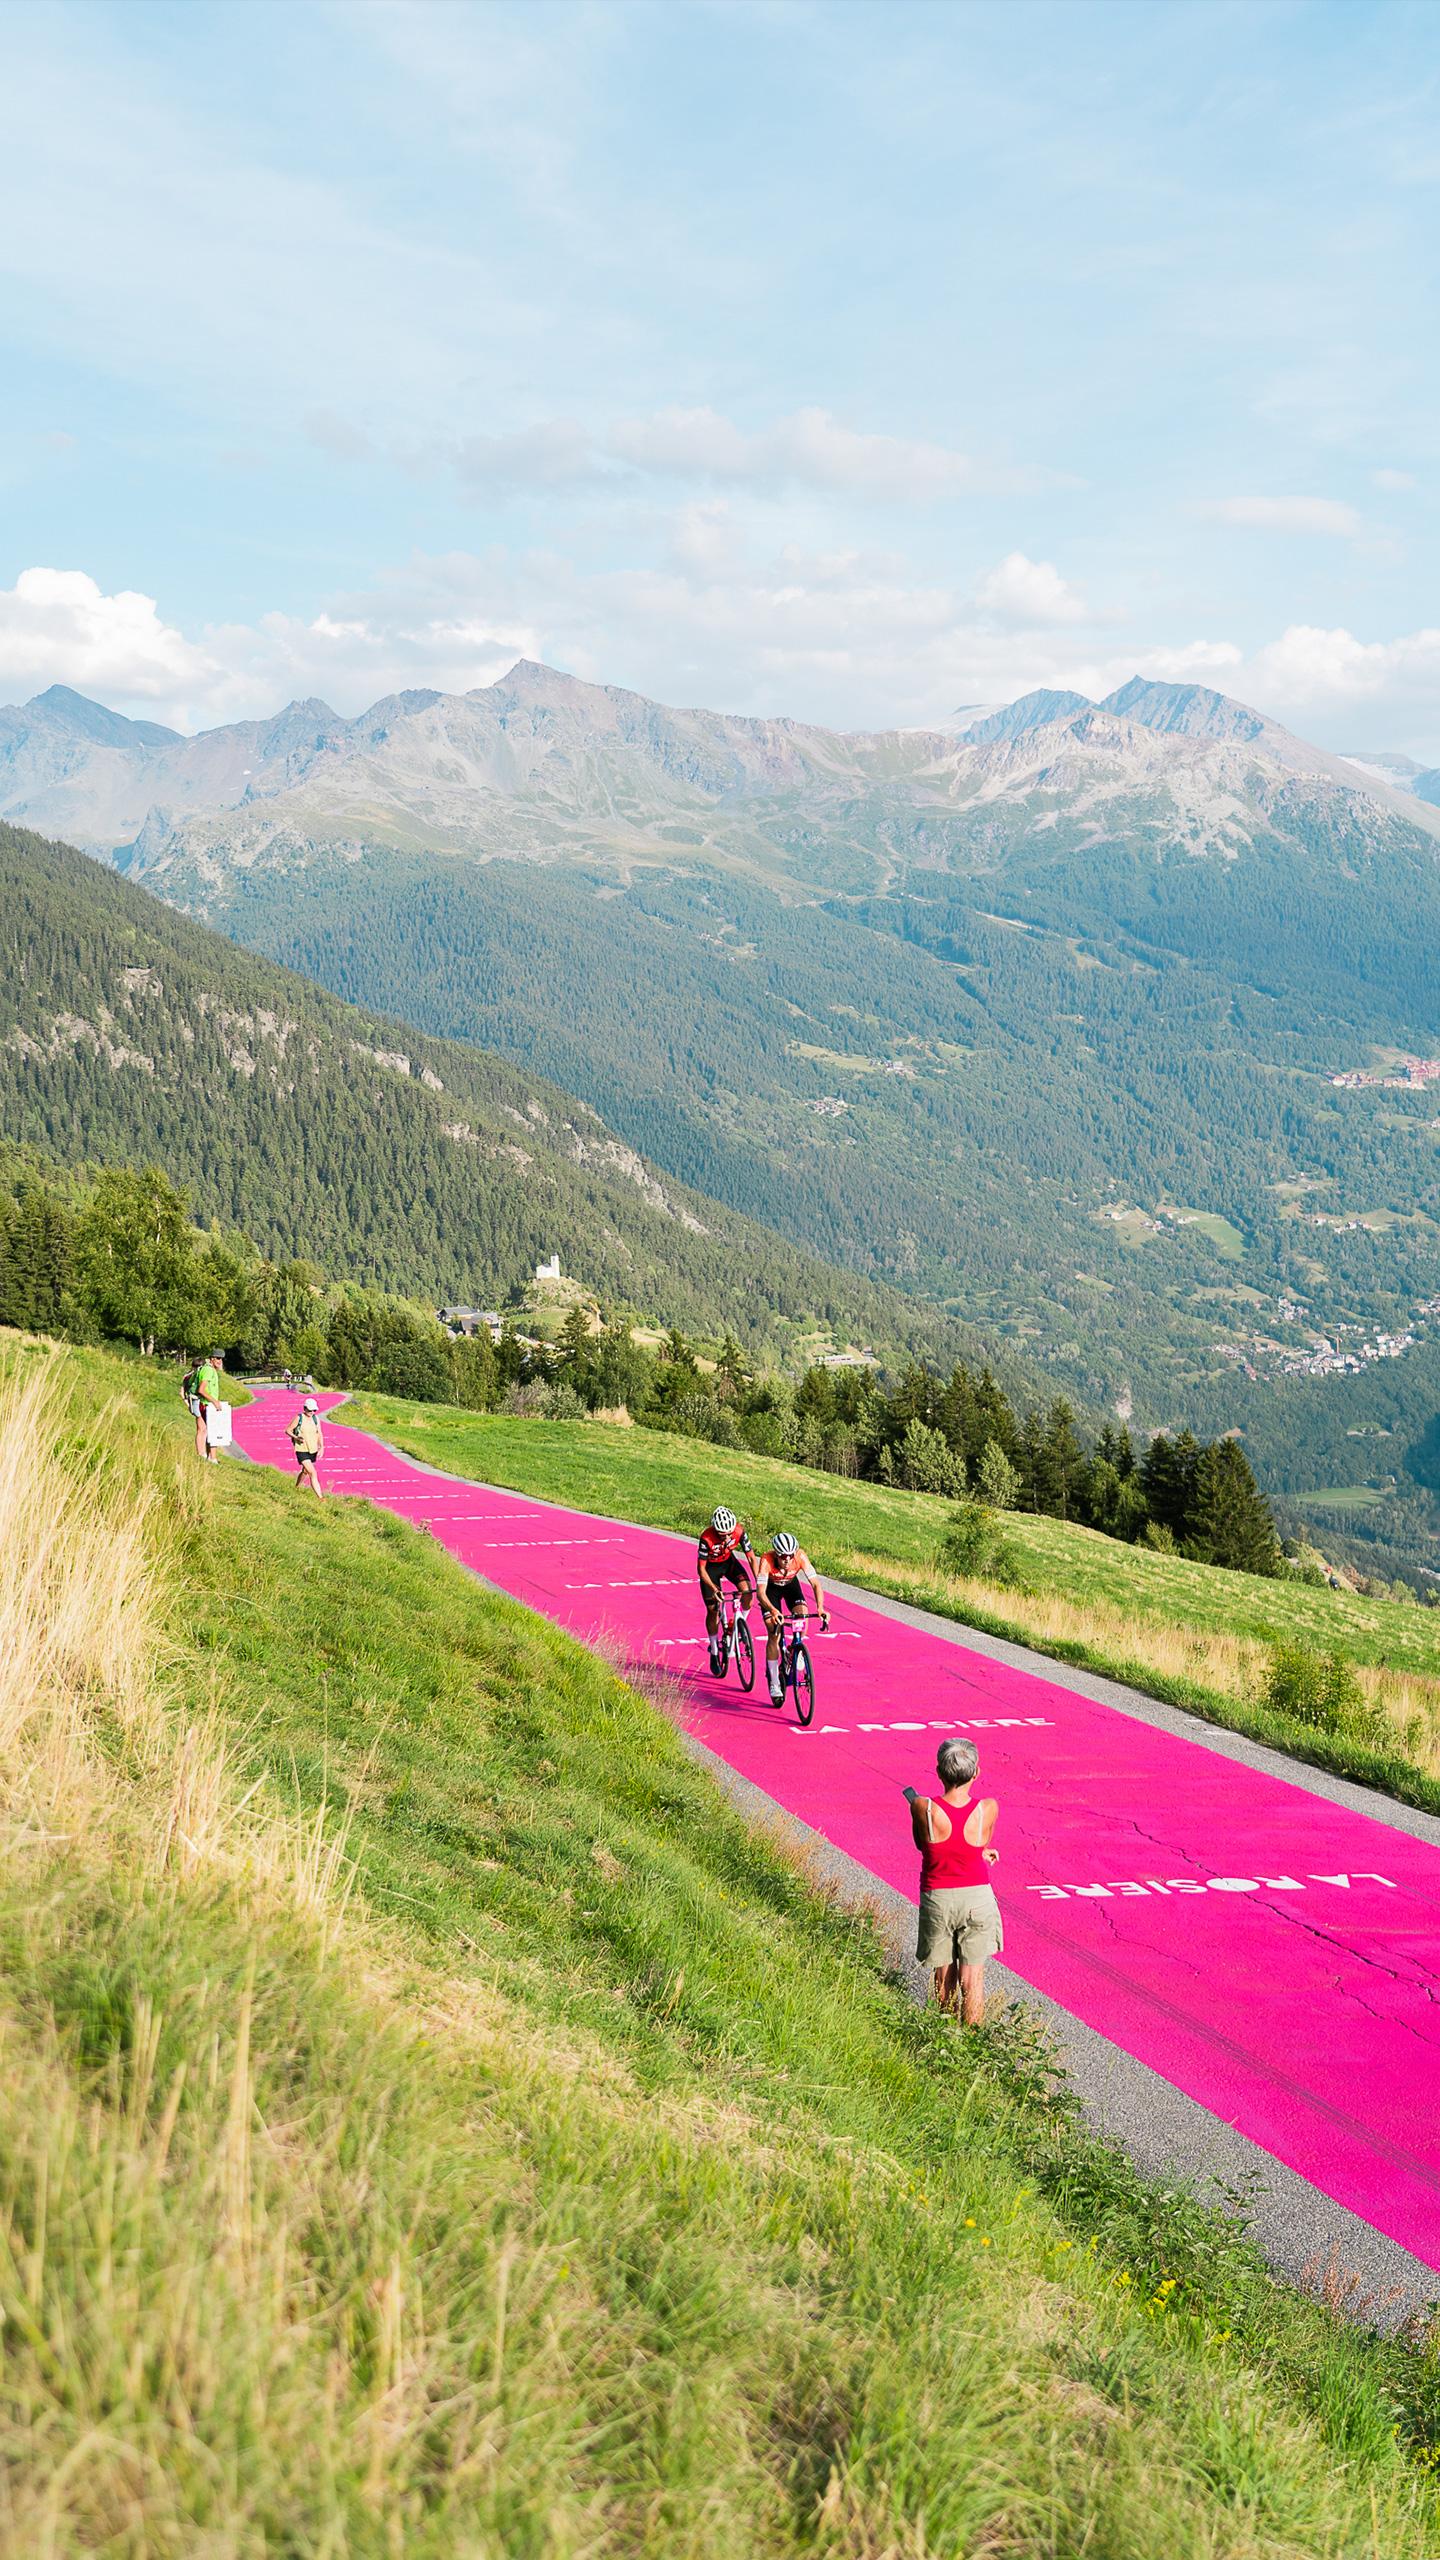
column 960, row 1924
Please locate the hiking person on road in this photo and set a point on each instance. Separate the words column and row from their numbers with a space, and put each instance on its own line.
column 960, row 1925
column 307, row 1439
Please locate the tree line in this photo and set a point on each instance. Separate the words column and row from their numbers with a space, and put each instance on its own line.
column 116, row 1255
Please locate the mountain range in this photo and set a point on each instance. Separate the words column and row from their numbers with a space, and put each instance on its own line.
column 439, row 768
column 1071, row 1018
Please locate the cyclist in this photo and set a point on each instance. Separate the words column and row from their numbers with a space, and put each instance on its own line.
column 784, row 1570
column 724, row 1554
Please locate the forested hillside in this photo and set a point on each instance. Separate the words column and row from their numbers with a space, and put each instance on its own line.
column 130, row 1035
column 964, row 1010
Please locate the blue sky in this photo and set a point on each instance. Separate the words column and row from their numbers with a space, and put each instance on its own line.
column 848, row 361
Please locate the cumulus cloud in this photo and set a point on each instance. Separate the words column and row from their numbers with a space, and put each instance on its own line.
column 848, row 638
column 1328, row 516
column 1314, row 668
column 1030, row 592
column 57, row 626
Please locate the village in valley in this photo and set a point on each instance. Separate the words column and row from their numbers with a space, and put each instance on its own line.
column 1410, row 1076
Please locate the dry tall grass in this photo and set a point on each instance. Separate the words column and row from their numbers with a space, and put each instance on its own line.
column 88, row 1547
column 81, row 1603
column 1229, row 1666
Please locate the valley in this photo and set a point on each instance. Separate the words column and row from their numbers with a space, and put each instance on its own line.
column 961, row 1011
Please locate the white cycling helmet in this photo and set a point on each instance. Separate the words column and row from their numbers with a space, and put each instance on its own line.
column 723, row 1520
column 785, row 1545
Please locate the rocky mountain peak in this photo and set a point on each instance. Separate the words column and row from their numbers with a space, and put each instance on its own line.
column 1031, row 711
column 1188, row 710
column 59, row 707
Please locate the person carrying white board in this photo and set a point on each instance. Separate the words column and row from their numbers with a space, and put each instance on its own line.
column 209, row 1398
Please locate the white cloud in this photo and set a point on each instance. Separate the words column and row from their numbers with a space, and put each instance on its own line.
column 1396, row 482
column 1329, row 516
column 58, row 627
column 847, row 638
column 1315, row 670
column 545, row 456
column 809, row 449
column 1030, row 592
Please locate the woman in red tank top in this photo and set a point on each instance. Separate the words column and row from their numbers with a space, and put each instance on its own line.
column 960, row 1925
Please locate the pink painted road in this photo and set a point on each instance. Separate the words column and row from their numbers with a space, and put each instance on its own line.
column 1274, row 1956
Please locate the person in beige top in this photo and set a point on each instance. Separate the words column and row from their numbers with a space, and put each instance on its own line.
column 307, row 1439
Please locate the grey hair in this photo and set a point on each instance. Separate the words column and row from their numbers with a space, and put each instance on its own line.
column 956, row 1763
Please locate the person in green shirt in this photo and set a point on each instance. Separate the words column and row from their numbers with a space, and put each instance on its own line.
column 209, row 1394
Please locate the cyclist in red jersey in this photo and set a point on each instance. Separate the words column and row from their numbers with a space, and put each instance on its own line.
column 724, row 1554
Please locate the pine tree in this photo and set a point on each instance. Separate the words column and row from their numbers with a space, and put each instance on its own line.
column 574, row 1345
column 1168, row 1476
column 1231, row 1523
column 732, row 1365
column 1065, row 1463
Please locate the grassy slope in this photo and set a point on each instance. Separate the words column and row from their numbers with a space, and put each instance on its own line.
column 577, row 2186
column 1182, row 1631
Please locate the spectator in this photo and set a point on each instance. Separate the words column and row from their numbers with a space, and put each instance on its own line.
column 209, row 1395
column 960, row 1926
column 190, row 1390
column 307, row 1439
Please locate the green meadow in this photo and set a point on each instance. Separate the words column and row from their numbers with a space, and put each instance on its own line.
column 434, row 2123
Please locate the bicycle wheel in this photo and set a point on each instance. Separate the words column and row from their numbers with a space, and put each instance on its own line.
column 744, row 1653
column 802, row 1682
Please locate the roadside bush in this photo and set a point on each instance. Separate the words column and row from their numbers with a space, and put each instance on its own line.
column 974, row 1545
column 996, row 1480
column 701, row 1418
column 766, row 1434
column 564, row 1404
column 1321, row 1689
column 527, row 1403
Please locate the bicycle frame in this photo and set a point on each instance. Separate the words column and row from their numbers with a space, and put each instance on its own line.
column 733, row 1641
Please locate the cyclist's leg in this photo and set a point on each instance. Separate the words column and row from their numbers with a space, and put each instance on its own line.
column 775, row 1663
column 710, row 1598
column 772, row 1640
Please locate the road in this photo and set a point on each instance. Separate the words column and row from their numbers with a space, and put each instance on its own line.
column 1270, row 1953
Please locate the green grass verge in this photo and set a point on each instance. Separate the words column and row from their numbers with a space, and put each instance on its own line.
column 887, row 1540
column 582, row 2185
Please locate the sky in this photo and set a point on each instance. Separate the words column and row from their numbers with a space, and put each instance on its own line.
column 843, row 361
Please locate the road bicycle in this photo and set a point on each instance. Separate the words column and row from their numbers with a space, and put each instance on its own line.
column 797, row 1673
column 733, row 1641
